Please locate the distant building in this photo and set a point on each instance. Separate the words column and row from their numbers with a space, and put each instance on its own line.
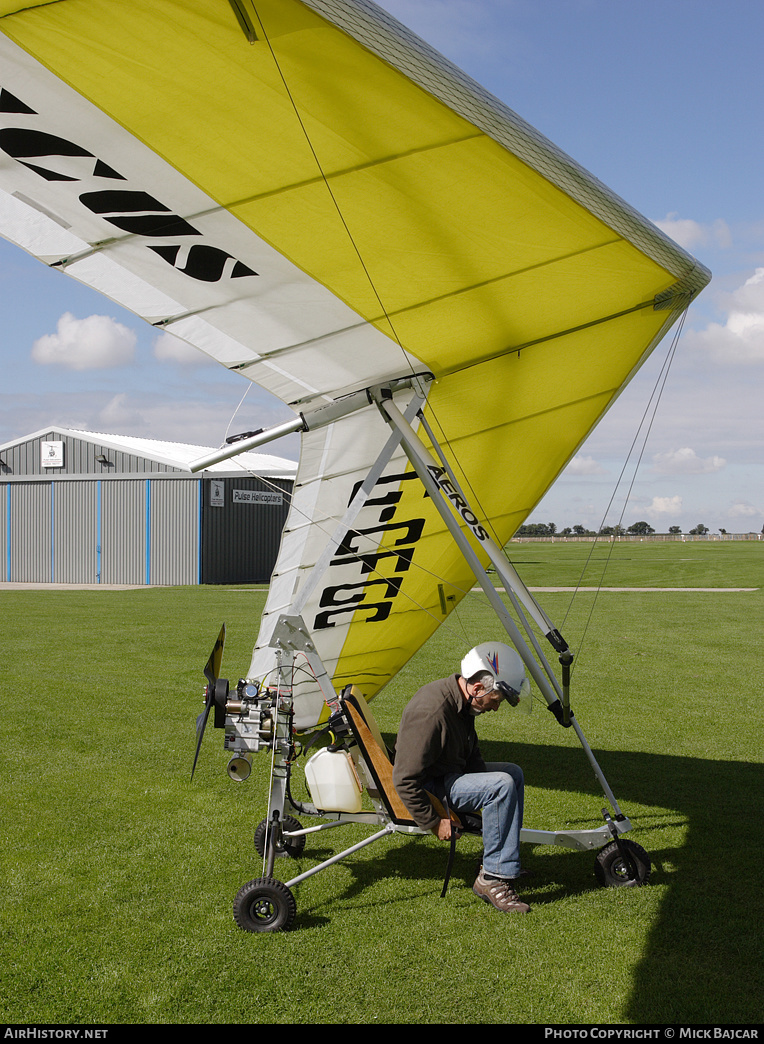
column 82, row 507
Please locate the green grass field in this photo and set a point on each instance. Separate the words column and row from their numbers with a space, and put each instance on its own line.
column 119, row 872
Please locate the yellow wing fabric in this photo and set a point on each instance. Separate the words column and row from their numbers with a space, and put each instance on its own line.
column 325, row 208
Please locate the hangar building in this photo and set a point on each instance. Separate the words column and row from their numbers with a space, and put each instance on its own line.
column 82, row 507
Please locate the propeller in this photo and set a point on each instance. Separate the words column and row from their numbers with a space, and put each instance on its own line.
column 215, row 694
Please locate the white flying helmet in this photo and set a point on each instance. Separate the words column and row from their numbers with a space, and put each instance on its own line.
column 504, row 664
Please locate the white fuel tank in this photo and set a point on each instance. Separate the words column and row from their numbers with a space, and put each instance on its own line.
column 333, row 782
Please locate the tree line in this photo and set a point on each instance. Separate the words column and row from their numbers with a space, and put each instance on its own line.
column 541, row 529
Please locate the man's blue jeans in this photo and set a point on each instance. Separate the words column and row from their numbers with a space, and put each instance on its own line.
column 499, row 792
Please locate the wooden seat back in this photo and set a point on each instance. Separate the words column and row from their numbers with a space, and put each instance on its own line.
column 364, row 727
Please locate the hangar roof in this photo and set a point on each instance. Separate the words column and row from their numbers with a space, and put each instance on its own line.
column 176, row 455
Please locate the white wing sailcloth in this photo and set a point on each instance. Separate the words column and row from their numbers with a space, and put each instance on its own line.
column 311, row 195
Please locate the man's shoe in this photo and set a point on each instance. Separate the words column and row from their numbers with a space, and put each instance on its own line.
column 500, row 893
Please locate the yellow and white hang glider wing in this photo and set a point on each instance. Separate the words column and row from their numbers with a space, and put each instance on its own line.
column 315, row 198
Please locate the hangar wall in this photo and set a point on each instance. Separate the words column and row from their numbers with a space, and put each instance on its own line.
column 148, row 524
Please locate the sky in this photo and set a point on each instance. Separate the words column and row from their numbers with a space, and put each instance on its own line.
column 662, row 101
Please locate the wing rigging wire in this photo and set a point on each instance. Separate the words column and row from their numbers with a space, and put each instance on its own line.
column 233, row 415
column 654, row 402
column 332, row 196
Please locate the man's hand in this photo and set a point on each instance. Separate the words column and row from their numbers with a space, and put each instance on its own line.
column 443, row 830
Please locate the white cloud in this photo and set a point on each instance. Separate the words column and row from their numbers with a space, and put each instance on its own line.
column 94, row 343
column 664, row 507
column 685, row 461
column 584, row 466
column 168, row 348
column 742, row 510
column 118, row 416
column 691, row 234
column 741, row 338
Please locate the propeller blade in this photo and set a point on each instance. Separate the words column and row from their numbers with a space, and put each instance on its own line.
column 201, row 723
column 211, row 673
column 212, row 668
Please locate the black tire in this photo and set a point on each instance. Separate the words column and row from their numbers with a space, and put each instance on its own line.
column 291, row 847
column 612, row 870
column 264, row 905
